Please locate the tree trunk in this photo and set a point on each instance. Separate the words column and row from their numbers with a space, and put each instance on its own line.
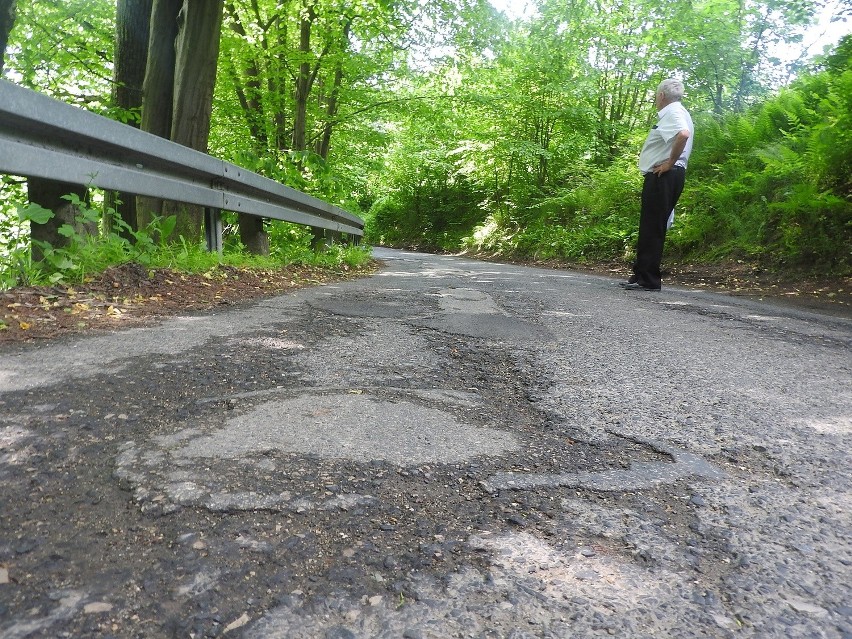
column 252, row 235
column 197, row 49
column 248, row 89
column 49, row 194
column 332, row 104
column 301, row 93
column 195, row 72
column 324, row 144
column 303, row 80
column 7, row 21
column 132, row 30
column 275, row 87
column 183, row 53
column 158, row 88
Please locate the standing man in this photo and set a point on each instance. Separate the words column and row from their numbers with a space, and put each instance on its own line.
column 663, row 163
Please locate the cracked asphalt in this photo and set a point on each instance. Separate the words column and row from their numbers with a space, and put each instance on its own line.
column 448, row 448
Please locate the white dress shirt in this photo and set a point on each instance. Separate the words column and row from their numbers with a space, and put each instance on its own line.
column 673, row 118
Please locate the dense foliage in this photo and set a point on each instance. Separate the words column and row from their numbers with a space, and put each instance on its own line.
column 776, row 181
column 771, row 183
column 535, row 156
column 450, row 126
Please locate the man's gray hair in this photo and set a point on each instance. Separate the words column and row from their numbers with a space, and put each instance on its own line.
column 671, row 90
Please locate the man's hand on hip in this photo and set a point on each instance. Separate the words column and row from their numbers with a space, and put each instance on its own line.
column 663, row 167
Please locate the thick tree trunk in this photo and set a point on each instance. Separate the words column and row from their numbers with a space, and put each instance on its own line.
column 158, row 88
column 304, row 81
column 132, row 30
column 7, row 21
column 183, row 53
column 195, row 71
column 132, row 33
column 252, row 235
column 159, row 85
column 49, row 194
column 197, row 49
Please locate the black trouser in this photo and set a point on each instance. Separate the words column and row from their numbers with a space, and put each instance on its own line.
column 659, row 196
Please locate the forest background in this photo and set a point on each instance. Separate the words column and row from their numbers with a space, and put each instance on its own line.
column 450, row 126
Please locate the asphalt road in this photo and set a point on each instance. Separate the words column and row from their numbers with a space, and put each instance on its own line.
column 448, row 448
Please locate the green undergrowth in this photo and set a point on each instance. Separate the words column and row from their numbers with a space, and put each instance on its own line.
column 768, row 185
column 25, row 261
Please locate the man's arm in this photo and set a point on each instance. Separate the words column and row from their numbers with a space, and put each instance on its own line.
column 677, row 149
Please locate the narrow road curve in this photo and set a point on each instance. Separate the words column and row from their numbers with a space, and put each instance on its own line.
column 449, row 448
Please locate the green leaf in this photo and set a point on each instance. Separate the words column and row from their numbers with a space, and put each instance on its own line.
column 167, row 227
column 64, row 264
column 35, row 213
column 66, row 230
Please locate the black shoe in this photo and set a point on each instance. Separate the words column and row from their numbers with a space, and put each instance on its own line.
column 636, row 286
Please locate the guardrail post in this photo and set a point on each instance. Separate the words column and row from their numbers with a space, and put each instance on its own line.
column 323, row 238
column 318, row 239
column 213, row 229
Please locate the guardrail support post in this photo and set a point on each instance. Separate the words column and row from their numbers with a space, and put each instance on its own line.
column 323, row 238
column 213, row 229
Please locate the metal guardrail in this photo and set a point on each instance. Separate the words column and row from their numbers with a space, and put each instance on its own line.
column 44, row 138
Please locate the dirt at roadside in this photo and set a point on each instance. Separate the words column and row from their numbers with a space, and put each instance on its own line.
column 821, row 293
column 132, row 295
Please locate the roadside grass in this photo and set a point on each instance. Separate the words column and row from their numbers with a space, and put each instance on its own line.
column 25, row 261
